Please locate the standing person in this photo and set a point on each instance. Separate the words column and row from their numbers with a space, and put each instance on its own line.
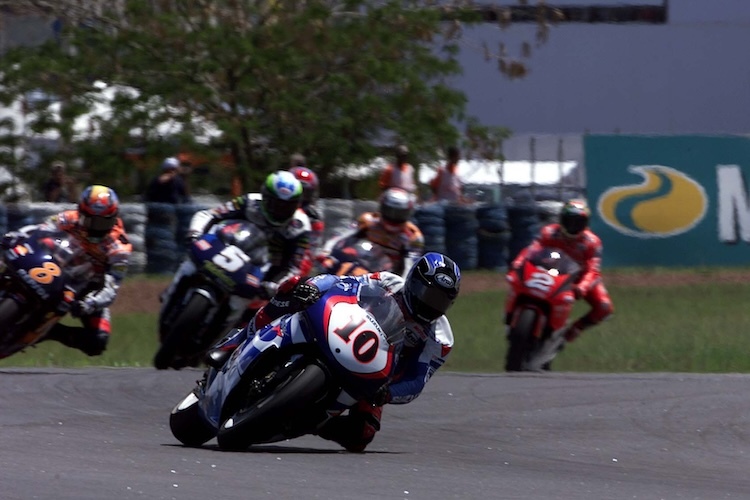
column 392, row 229
column 446, row 185
column 277, row 213
column 400, row 173
column 102, row 234
column 169, row 186
column 310, row 191
column 425, row 295
column 59, row 187
column 571, row 234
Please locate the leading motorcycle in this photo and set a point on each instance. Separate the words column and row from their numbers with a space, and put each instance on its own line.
column 542, row 299
column 42, row 272
column 298, row 371
column 218, row 281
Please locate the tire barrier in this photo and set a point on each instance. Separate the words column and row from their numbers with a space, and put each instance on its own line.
column 475, row 236
column 461, row 240
column 3, row 219
column 493, row 237
column 524, row 227
column 430, row 218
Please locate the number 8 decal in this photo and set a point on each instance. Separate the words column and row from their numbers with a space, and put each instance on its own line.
column 45, row 274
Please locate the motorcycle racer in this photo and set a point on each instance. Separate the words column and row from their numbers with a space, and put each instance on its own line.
column 572, row 235
column 100, row 231
column 391, row 228
column 427, row 292
column 310, row 191
column 277, row 212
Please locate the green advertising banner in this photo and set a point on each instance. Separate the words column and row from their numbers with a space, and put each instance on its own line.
column 670, row 200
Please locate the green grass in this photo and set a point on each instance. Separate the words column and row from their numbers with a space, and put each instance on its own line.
column 691, row 328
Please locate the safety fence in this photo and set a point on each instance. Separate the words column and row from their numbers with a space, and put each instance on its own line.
column 482, row 236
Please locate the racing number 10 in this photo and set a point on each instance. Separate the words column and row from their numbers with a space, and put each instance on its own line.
column 365, row 345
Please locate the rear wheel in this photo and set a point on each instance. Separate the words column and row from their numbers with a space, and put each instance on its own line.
column 187, row 423
column 264, row 418
column 10, row 313
column 520, row 340
column 178, row 338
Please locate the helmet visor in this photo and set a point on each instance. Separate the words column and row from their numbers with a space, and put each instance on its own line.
column 429, row 302
column 280, row 211
column 574, row 223
column 97, row 224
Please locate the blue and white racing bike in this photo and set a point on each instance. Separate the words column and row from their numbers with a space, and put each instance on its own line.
column 298, row 371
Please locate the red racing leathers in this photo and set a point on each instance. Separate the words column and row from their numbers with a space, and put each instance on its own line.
column 586, row 249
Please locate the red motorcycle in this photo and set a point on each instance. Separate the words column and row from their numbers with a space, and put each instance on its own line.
column 542, row 299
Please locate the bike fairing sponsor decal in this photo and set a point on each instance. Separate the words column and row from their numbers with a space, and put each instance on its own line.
column 666, row 203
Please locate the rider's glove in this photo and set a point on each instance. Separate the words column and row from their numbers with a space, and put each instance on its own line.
column 305, row 294
column 382, row 396
column 577, row 292
column 10, row 239
column 191, row 236
column 82, row 308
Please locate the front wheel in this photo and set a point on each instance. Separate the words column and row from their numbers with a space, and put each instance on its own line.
column 187, row 423
column 179, row 336
column 520, row 340
column 265, row 418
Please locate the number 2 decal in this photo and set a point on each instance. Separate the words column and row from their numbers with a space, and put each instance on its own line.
column 541, row 281
column 46, row 273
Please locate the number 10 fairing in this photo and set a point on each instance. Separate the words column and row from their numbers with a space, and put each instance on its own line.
column 297, row 371
column 41, row 274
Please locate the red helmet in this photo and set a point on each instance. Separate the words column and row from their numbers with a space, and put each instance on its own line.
column 310, row 184
column 574, row 217
column 97, row 211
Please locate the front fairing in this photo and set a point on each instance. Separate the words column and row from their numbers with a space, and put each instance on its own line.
column 227, row 266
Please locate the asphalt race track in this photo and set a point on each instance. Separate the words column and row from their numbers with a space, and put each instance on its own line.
column 102, row 434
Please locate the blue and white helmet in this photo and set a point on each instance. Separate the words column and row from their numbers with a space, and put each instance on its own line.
column 282, row 195
column 431, row 286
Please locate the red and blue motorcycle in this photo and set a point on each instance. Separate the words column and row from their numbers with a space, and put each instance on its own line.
column 298, row 371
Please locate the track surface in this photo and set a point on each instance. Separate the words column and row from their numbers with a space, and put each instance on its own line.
column 102, row 434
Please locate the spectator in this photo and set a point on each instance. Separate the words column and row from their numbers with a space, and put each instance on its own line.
column 59, row 187
column 446, row 185
column 400, row 173
column 169, row 186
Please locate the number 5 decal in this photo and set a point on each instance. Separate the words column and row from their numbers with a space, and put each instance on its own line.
column 230, row 259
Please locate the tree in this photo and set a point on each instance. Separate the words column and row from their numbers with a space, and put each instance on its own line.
column 335, row 80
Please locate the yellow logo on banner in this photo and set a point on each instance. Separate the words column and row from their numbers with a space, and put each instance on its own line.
column 666, row 203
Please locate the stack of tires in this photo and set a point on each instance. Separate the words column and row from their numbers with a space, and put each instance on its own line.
column 524, row 227
column 430, row 219
column 135, row 218
column 493, row 236
column 3, row 219
column 162, row 250
column 461, row 240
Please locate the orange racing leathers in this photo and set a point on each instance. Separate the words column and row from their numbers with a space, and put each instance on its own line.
column 109, row 258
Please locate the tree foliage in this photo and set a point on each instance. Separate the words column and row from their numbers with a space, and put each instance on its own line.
column 336, row 80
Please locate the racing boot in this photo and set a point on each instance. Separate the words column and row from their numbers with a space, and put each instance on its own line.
column 217, row 355
column 355, row 430
column 89, row 341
